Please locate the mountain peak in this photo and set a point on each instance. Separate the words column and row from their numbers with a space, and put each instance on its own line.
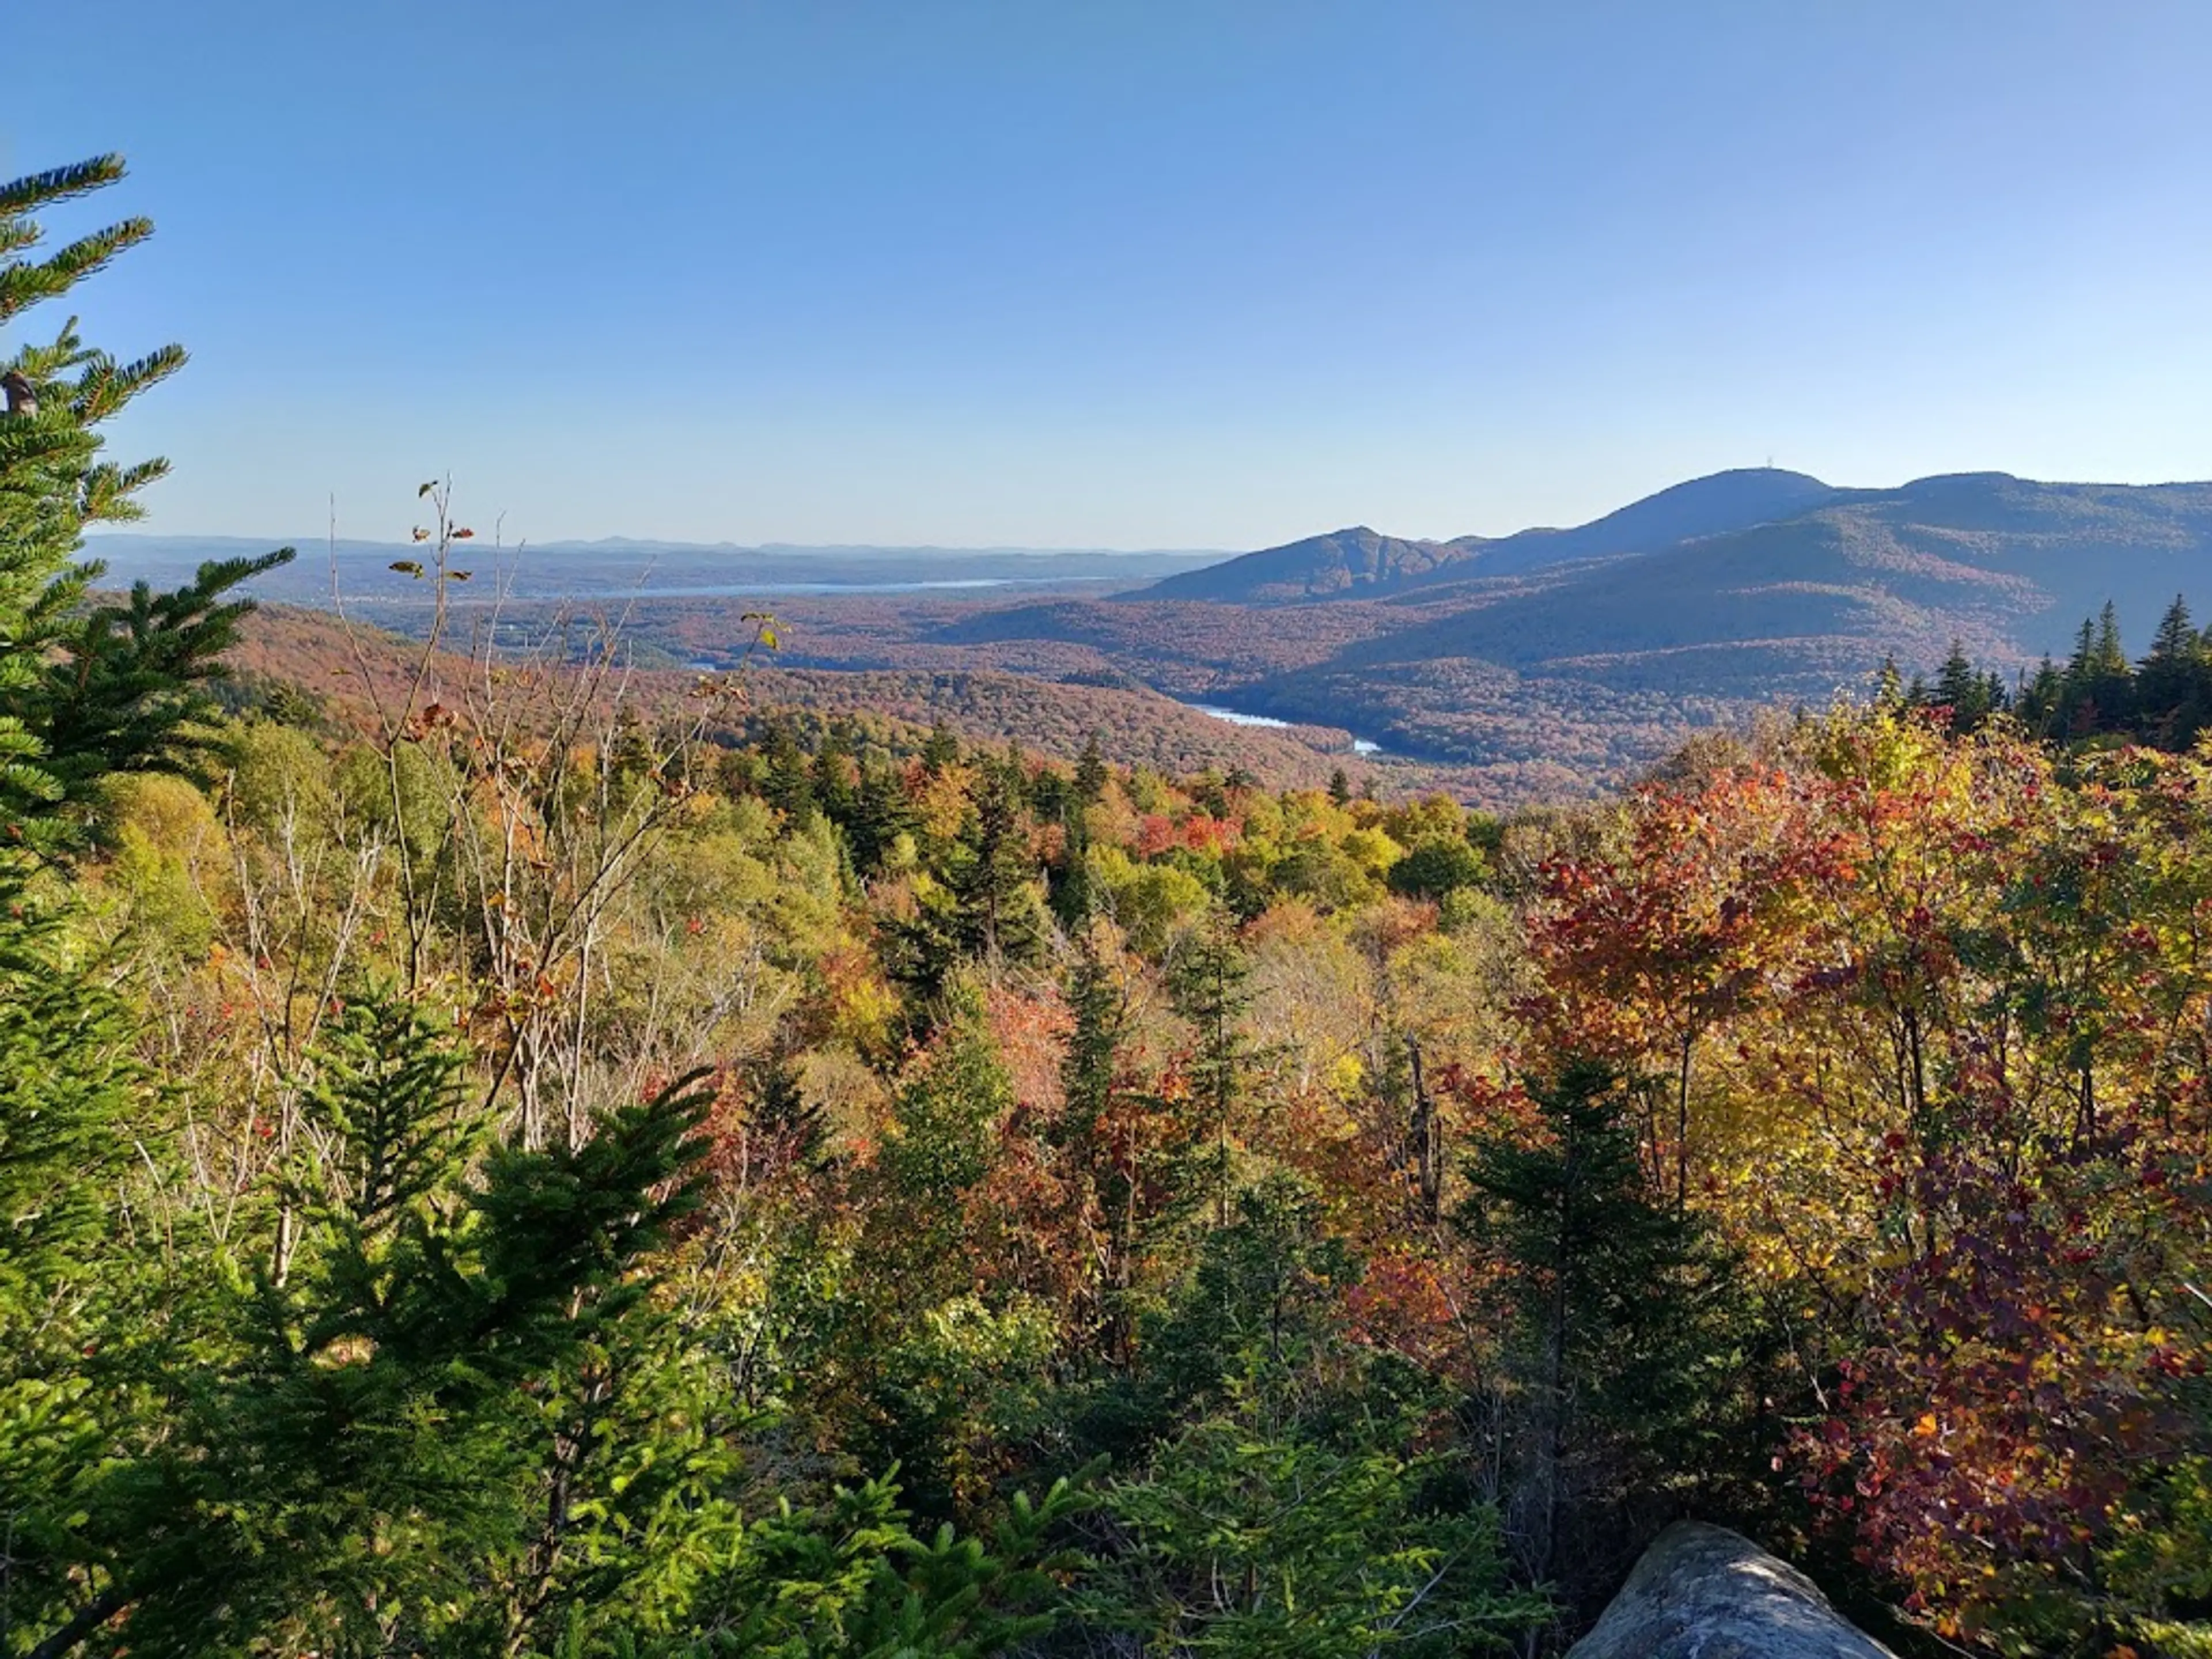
column 1347, row 563
column 1358, row 562
column 1712, row 504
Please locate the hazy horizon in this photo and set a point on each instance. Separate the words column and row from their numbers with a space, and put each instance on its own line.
column 618, row 539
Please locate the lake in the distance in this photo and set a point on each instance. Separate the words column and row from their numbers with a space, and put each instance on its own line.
column 1360, row 746
column 1236, row 717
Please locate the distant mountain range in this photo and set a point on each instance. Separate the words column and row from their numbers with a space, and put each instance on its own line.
column 623, row 566
column 1363, row 563
column 1745, row 564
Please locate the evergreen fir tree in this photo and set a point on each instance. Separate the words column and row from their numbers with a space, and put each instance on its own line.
column 997, row 914
column 86, row 690
column 2039, row 697
column 1072, row 895
column 834, row 774
column 2176, row 640
column 2173, row 687
column 882, row 812
column 942, row 750
column 1107, row 1179
column 1015, row 771
column 362, row 1434
column 1969, row 694
column 1209, row 791
column 787, row 776
column 1207, row 983
column 2109, row 657
column 985, row 905
column 1626, row 1346
column 1090, row 773
column 1962, row 689
column 778, row 1108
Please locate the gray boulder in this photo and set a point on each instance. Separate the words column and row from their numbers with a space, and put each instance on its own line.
column 1703, row 1592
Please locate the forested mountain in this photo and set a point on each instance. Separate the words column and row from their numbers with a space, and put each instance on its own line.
column 1709, row 505
column 1354, row 561
column 1743, row 575
column 1559, row 660
column 1361, row 563
column 1786, row 607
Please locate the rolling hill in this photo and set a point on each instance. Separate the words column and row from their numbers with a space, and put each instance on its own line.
column 1363, row 562
column 1358, row 561
column 1793, row 606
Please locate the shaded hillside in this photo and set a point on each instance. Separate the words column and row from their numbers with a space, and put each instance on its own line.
column 1186, row 646
column 1711, row 506
column 1800, row 606
column 1358, row 561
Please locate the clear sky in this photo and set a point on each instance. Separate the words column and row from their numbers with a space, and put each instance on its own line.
column 1183, row 274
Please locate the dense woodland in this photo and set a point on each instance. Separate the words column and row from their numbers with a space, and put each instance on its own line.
column 2096, row 696
column 496, row 1164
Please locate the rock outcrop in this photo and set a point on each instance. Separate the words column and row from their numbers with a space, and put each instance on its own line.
column 1703, row 1592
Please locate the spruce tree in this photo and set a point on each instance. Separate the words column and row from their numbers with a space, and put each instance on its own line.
column 834, row 791
column 882, row 812
column 997, row 914
column 1625, row 1344
column 2108, row 657
column 1112, row 1189
column 2176, row 638
column 787, row 779
column 2039, row 697
column 1091, row 772
column 942, row 750
column 411, row 1426
column 1207, row 983
column 86, row 690
column 2082, row 665
column 2173, row 686
column 1889, row 685
column 1961, row 690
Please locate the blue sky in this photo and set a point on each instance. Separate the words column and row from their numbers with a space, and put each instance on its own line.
column 1129, row 274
